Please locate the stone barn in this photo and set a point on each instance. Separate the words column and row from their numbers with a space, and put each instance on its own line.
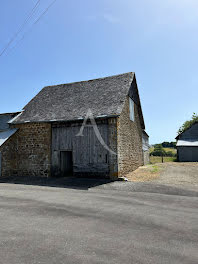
column 187, row 144
column 88, row 128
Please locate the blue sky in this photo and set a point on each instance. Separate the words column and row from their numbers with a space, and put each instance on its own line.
column 80, row 40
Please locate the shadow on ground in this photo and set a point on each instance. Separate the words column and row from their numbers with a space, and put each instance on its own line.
column 152, row 188
column 105, row 184
column 67, row 182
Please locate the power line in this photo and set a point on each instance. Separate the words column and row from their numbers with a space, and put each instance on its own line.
column 37, row 20
column 44, row 12
column 31, row 13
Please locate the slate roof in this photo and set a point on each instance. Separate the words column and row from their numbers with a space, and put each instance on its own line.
column 5, row 135
column 5, row 118
column 178, row 136
column 65, row 102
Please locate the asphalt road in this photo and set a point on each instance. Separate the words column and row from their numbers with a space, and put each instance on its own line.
column 62, row 225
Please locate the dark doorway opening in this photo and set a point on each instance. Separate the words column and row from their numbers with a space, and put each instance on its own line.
column 66, row 163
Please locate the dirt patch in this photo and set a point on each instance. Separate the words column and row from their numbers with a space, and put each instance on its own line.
column 184, row 164
column 145, row 173
column 170, row 173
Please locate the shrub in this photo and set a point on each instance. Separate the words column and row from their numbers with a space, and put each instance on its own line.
column 170, row 154
column 158, row 150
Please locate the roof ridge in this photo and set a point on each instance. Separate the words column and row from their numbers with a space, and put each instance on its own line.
column 101, row 78
column 10, row 113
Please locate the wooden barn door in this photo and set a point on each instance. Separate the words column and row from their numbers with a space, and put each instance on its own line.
column 66, row 163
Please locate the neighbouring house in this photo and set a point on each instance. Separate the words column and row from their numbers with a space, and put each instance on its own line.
column 187, row 144
column 5, row 133
column 52, row 138
column 145, row 147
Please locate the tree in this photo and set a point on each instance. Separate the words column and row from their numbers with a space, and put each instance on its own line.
column 169, row 144
column 165, row 144
column 158, row 150
column 188, row 124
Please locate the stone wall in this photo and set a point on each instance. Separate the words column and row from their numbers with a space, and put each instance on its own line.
column 8, row 157
column 28, row 151
column 130, row 153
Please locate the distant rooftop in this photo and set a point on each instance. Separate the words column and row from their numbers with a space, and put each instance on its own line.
column 5, row 118
column 11, row 113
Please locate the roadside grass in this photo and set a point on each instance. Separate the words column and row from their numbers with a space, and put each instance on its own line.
column 174, row 151
column 157, row 159
column 155, row 168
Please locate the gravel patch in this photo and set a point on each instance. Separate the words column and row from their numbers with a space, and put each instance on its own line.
column 179, row 174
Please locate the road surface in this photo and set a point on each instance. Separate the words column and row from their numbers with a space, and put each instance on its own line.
column 50, row 225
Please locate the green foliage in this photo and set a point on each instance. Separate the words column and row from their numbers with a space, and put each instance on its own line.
column 154, row 160
column 155, row 169
column 170, row 154
column 156, row 153
column 169, row 144
column 188, row 124
column 158, row 146
column 160, row 151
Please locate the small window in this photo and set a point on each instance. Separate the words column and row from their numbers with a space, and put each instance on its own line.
column 131, row 107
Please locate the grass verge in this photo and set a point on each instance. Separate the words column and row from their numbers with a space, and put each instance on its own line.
column 156, row 159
